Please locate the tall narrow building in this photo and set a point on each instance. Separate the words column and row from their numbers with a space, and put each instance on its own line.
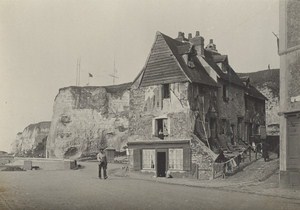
column 289, row 51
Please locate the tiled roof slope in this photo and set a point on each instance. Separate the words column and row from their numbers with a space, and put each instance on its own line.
column 230, row 76
column 269, row 77
column 161, row 67
column 197, row 74
column 252, row 91
column 166, row 65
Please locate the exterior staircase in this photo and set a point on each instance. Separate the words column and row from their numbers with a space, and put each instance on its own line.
column 258, row 170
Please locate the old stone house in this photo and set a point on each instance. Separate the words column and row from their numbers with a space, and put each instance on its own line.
column 186, row 104
column 241, row 106
column 255, row 114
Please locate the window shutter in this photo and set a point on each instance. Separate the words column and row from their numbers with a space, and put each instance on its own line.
column 154, row 132
column 137, row 159
column 186, row 159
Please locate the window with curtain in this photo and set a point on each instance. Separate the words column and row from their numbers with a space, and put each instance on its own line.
column 176, row 159
column 148, row 158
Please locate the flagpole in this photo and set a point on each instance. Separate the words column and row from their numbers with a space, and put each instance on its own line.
column 76, row 73
column 79, row 72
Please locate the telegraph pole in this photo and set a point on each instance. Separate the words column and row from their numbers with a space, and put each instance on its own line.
column 114, row 75
column 78, row 72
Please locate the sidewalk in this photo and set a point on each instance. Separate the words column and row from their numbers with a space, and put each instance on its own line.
column 258, row 178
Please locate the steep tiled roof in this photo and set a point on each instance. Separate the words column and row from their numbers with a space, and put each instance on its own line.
column 197, row 74
column 219, row 58
column 165, row 64
column 269, row 77
column 230, row 76
column 212, row 59
column 252, row 91
column 162, row 66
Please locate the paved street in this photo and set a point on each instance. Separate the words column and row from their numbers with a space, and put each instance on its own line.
column 81, row 189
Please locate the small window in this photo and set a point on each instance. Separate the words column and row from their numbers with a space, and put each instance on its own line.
column 148, row 158
column 239, row 128
column 223, row 126
column 212, row 128
column 176, row 159
column 166, row 91
column 220, row 66
column 256, row 129
column 225, row 93
column 256, row 107
column 161, row 128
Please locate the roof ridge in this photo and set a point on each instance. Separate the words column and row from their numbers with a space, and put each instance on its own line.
column 185, row 68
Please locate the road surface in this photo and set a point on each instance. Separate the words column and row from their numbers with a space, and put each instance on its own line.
column 81, row 189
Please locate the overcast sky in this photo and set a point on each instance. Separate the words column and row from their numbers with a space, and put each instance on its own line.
column 40, row 42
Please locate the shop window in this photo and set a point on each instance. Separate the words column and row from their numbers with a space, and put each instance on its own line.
column 176, row 159
column 166, row 91
column 148, row 158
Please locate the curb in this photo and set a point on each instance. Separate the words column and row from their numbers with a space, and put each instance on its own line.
column 222, row 188
column 269, row 174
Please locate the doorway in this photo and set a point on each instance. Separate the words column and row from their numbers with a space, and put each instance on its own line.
column 161, row 164
column 248, row 132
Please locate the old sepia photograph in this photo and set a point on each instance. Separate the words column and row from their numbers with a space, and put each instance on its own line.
column 149, row 104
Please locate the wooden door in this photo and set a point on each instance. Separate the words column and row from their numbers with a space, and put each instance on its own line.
column 161, row 164
column 293, row 142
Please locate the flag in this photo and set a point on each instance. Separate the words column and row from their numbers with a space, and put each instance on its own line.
column 90, row 75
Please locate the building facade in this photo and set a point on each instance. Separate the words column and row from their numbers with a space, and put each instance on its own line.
column 186, row 105
column 289, row 51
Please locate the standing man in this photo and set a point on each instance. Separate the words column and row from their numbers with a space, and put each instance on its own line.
column 265, row 153
column 101, row 157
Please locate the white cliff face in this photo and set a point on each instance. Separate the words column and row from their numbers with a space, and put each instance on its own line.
column 32, row 141
column 272, row 109
column 86, row 118
column 15, row 144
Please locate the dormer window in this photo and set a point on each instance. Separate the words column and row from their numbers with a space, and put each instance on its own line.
column 166, row 91
column 222, row 67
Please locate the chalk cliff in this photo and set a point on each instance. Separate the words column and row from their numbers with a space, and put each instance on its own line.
column 86, row 118
column 267, row 82
column 32, row 141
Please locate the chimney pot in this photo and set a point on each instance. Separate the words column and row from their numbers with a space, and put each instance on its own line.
column 179, row 34
column 189, row 36
column 197, row 33
column 211, row 41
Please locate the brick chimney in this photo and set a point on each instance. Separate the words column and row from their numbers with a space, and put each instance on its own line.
column 211, row 46
column 198, row 42
column 180, row 36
